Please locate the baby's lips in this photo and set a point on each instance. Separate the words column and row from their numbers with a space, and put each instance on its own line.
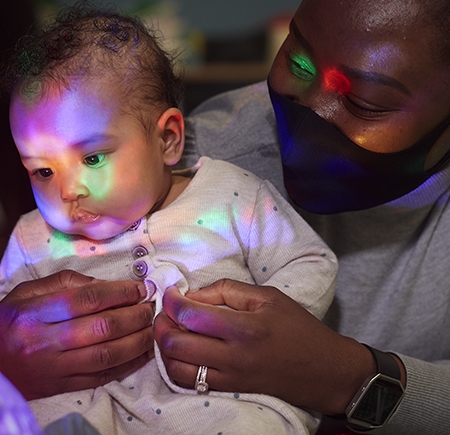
column 84, row 216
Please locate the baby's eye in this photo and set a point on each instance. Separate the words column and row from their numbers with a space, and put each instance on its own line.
column 94, row 160
column 302, row 67
column 44, row 172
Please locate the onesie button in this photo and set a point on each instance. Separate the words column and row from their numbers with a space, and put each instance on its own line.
column 140, row 268
column 139, row 252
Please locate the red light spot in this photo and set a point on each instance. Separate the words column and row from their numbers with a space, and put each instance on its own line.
column 336, row 81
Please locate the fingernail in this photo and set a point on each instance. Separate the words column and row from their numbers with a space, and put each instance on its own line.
column 142, row 290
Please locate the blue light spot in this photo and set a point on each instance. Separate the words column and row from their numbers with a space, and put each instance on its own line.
column 323, row 255
column 264, row 269
column 236, row 395
column 236, row 194
column 206, row 404
column 158, row 411
column 286, row 286
column 200, row 222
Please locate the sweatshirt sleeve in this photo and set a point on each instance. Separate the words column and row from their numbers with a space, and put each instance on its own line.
column 286, row 253
column 426, row 404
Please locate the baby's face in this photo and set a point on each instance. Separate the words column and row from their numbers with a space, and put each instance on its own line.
column 94, row 170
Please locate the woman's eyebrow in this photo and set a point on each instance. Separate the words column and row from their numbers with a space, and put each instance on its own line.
column 296, row 32
column 368, row 76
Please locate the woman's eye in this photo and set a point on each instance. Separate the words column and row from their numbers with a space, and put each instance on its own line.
column 302, row 67
column 363, row 111
column 44, row 172
column 94, row 160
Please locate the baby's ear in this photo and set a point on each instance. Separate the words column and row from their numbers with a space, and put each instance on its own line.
column 171, row 128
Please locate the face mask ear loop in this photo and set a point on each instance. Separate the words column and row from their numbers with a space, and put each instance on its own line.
column 440, row 152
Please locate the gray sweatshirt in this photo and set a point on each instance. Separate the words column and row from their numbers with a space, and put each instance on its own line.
column 393, row 290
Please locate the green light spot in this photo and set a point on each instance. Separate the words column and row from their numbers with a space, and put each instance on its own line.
column 303, row 68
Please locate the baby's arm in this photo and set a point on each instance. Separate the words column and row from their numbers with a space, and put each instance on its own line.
column 14, row 265
column 287, row 254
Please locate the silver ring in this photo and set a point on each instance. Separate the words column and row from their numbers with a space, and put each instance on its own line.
column 201, row 385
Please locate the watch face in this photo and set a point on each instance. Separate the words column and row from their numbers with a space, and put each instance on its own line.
column 377, row 403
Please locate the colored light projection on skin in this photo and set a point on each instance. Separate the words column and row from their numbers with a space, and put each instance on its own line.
column 302, row 67
column 334, row 80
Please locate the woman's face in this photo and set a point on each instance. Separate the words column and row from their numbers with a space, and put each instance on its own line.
column 368, row 67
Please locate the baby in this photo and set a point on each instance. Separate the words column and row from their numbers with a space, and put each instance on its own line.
column 95, row 117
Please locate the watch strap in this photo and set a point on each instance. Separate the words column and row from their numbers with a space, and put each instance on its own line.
column 387, row 366
column 386, row 363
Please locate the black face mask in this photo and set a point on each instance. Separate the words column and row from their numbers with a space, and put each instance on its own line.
column 325, row 172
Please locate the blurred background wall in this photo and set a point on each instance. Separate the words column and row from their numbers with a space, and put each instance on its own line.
column 222, row 45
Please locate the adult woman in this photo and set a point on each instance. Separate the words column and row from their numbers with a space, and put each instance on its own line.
column 379, row 72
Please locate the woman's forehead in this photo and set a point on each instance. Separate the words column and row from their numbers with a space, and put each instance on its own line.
column 374, row 40
column 367, row 15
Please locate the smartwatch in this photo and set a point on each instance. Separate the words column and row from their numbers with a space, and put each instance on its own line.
column 378, row 397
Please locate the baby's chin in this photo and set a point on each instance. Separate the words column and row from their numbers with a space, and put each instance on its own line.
column 100, row 229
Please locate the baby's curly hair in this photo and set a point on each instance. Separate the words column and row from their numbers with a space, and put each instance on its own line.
column 87, row 42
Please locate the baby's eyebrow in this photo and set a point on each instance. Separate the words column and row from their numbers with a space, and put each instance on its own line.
column 91, row 140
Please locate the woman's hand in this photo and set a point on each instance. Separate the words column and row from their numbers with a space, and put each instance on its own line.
column 68, row 332
column 267, row 343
